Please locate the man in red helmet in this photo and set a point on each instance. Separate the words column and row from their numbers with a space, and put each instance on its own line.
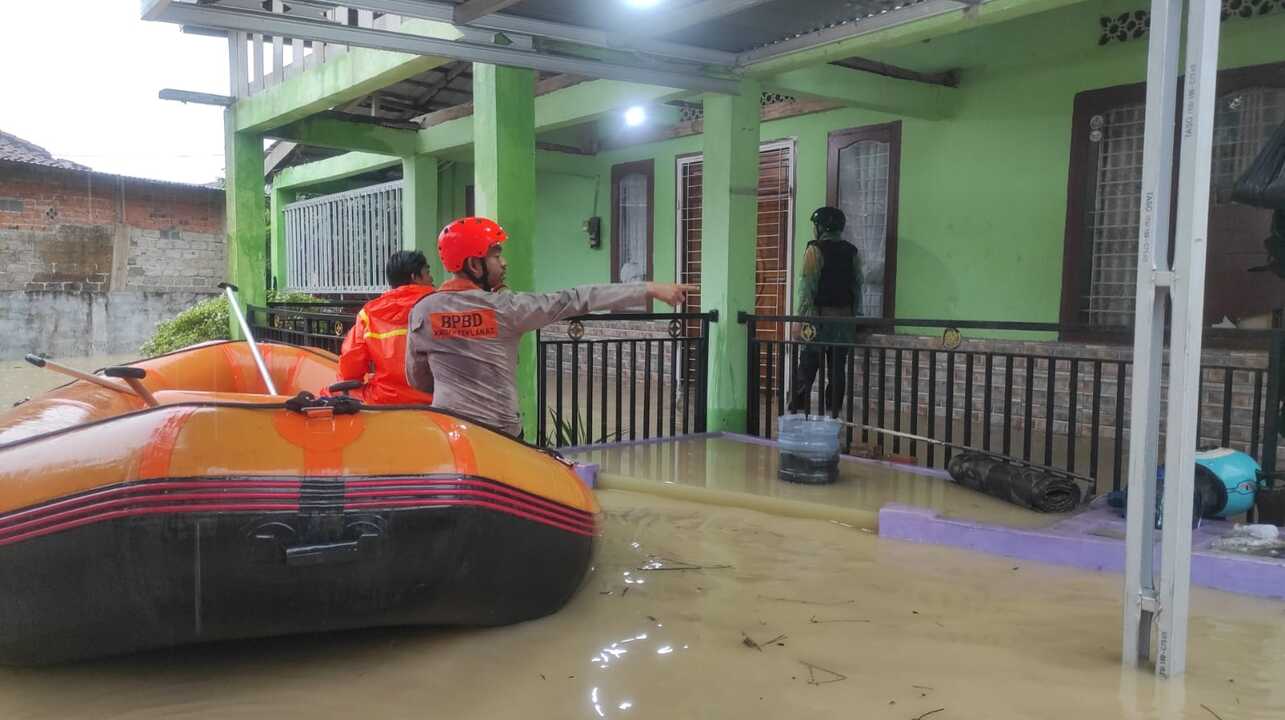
column 375, row 348
column 469, row 334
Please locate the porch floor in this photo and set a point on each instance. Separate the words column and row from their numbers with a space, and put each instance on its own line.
column 740, row 470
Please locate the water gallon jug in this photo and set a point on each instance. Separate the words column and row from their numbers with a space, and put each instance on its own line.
column 809, row 449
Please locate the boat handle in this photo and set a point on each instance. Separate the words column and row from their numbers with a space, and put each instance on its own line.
column 335, row 553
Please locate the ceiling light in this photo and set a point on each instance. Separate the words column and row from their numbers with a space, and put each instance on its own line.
column 635, row 116
column 642, row 4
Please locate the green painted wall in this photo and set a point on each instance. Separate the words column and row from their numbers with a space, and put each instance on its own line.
column 983, row 195
column 565, row 186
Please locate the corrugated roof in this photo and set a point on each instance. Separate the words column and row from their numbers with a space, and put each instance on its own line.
column 16, row 149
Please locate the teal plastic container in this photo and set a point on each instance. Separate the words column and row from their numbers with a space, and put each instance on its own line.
column 1238, row 478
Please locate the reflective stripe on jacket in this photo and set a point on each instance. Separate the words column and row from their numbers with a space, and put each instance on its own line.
column 375, row 349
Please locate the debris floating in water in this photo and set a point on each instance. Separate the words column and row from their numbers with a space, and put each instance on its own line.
column 833, row 676
column 807, row 602
column 749, row 642
column 932, row 712
column 655, row 564
column 815, row 621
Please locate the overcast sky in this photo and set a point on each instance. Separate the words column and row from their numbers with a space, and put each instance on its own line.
column 80, row 78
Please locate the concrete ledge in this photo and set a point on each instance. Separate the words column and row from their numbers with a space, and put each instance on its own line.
column 1090, row 540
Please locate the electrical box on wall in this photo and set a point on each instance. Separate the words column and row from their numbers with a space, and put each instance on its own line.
column 593, row 228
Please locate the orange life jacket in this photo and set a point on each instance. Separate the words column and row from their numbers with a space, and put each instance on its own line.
column 375, row 349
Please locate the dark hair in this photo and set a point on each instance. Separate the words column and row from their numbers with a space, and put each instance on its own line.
column 403, row 266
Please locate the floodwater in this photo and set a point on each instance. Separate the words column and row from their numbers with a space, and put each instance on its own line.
column 726, row 464
column 19, row 380
column 773, row 618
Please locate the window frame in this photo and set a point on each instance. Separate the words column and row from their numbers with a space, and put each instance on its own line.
column 645, row 167
column 1080, row 178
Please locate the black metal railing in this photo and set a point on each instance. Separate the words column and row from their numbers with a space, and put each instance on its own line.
column 319, row 325
column 1064, row 406
column 623, row 376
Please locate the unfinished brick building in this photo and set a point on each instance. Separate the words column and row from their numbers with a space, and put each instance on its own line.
column 89, row 261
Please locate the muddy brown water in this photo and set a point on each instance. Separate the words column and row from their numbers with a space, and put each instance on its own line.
column 19, row 380
column 859, row 628
column 863, row 628
column 731, row 464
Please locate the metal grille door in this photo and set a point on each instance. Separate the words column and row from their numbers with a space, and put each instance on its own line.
column 339, row 243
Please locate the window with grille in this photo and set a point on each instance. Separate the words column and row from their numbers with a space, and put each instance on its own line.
column 631, row 236
column 1102, row 236
column 774, row 228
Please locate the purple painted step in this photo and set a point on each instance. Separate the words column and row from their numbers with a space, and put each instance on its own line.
column 1090, row 540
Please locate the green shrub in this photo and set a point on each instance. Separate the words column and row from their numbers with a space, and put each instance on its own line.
column 204, row 321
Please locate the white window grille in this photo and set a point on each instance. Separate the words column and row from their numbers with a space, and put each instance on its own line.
column 1113, row 223
column 1243, row 122
column 340, row 243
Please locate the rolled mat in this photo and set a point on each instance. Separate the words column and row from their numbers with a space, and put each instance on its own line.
column 1028, row 487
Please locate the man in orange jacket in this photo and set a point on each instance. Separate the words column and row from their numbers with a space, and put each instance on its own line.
column 375, row 348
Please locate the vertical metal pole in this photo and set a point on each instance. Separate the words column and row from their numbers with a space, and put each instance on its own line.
column 1148, row 332
column 1188, row 299
column 1271, row 419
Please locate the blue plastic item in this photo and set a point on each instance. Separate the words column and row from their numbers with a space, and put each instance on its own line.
column 809, row 448
column 1226, row 483
column 1238, row 476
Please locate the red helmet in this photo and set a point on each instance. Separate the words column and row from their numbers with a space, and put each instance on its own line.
column 468, row 237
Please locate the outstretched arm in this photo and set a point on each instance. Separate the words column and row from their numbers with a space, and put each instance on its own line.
column 531, row 311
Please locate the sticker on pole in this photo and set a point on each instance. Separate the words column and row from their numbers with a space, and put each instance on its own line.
column 465, row 325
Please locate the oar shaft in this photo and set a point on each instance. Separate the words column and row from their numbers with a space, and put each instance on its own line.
column 72, row 372
column 249, row 338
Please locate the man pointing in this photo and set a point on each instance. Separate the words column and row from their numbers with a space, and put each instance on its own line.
column 469, row 334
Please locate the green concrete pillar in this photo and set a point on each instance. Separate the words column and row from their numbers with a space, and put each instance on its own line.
column 729, row 213
column 246, row 215
column 504, row 190
column 279, row 199
column 419, row 209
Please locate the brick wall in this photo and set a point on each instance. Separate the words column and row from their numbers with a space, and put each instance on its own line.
column 76, row 232
column 72, row 231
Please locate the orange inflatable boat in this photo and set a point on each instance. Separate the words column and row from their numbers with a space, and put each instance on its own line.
column 222, row 512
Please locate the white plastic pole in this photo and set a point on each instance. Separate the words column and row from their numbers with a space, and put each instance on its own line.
column 230, row 289
column 1188, row 296
column 1149, row 326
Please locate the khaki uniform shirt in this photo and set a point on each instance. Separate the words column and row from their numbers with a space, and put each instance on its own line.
column 469, row 338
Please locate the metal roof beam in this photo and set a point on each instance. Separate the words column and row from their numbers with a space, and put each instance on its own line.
column 694, row 14
column 471, row 10
column 895, row 28
column 269, row 23
column 200, row 98
column 445, row 12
